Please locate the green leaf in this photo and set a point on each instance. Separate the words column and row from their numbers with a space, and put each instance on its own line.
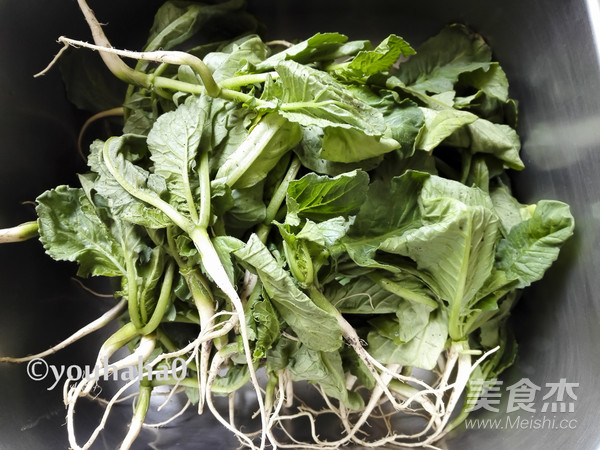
column 422, row 351
column 356, row 366
column 266, row 323
column 440, row 124
column 389, row 210
column 260, row 152
column 497, row 139
column 405, row 120
column 123, row 151
column 318, row 47
column 390, row 206
column 326, row 369
column 173, row 143
column 497, row 333
column 174, row 23
column 150, row 275
column 508, row 208
column 310, row 149
column 319, row 197
column 248, row 209
column 476, row 171
column 491, row 81
column 225, row 128
column 408, row 287
column 313, row 97
column 316, row 328
column 237, row 375
column 70, row 230
column 371, row 62
column 412, row 319
column 280, row 355
column 454, row 248
column 362, row 295
column 533, row 245
column 225, row 246
column 350, row 145
column 325, row 234
column 443, row 58
column 234, row 56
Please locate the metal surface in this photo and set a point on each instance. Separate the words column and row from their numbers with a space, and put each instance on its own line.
column 550, row 51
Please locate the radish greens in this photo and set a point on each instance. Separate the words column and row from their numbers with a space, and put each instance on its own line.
column 326, row 211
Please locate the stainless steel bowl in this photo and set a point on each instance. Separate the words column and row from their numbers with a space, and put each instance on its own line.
column 550, row 50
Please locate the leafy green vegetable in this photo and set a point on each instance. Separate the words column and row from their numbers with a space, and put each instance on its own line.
column 533, row 244
column 440, row 61
column 372, row 62
column 321, row 197
column 329, row 212
column 95, row 248
column 422, row 350
column 313, row 326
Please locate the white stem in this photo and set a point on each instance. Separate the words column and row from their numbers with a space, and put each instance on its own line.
column 137, row 358
column 139, row 415
column 213, row 266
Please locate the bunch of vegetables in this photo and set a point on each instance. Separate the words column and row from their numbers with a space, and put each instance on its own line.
column 329, row 211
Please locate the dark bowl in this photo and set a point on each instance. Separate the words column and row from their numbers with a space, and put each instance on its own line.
column 550, row 50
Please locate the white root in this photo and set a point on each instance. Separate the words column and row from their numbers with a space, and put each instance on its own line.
column 44, row 71
column 353, row 339
column 103, row 401
column 71, row 413
column 95, row 325
column 170, row 419
column 280, row 402
column 175, row 389
column 90, row 290
column 426, row 438
column 83, row 387
column 465, row 369
column 160, row 56
column 217, row 362
column 316, row 444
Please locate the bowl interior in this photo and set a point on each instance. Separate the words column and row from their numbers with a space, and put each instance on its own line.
column 549, row 51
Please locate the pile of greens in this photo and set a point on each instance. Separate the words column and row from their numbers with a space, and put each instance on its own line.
column 330, row 211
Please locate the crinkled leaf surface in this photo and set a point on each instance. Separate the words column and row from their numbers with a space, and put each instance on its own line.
column 122, row 151
column 70, row 230
column 326, row 369
column 443, row 58
column 370, row 62
column 454, row 248
column 391, row 208
column 421, row 351
column 313, row 97
column 173, row 143
column 317, row 47
column 316, row 328
column 533, row 245
column 319, row 197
